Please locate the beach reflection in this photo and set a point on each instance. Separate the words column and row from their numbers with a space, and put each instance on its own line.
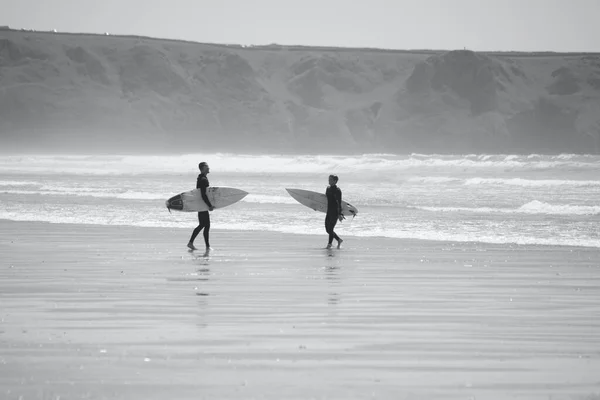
column 202, row 295
column 332, row 272
column 203, row 274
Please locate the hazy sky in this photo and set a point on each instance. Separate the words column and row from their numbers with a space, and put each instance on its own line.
column 526, row 25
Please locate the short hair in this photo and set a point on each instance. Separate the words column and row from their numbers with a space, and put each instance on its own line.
column 335, row 178
column 201, row 165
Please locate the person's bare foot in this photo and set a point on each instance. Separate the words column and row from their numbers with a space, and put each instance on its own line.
column 340, row 243
column 191, row 246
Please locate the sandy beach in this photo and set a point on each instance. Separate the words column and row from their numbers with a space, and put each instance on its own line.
column 93, row 312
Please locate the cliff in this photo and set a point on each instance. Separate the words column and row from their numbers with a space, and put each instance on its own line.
column 94, row 93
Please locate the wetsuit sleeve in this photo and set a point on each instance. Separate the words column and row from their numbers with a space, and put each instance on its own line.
column 203, row 184
column 339, row 201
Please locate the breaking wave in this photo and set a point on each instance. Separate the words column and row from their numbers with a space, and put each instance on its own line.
column 274, row 164
column 532, row 207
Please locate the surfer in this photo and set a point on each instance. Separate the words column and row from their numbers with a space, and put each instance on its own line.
column 334, row 210
column 203, row 216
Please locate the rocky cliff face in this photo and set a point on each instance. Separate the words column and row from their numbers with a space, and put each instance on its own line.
column 86, row 93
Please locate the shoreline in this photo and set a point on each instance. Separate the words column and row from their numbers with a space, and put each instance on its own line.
column 323, row 237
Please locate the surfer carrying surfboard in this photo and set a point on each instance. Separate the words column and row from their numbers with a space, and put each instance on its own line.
column 334, row 210
column 203, row 216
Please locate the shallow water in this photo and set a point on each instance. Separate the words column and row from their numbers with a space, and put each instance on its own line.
column 535, row 199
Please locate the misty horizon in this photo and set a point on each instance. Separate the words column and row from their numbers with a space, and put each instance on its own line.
column 538, row 25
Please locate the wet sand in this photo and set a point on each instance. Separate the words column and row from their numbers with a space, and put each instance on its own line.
column 92, row 312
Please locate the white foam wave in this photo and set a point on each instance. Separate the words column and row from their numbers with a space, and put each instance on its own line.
column 435, row 235
column 310, row 164
column 533, row 207
column 268, row 199
column 131, row 194
column 88, row 192
column 531, row 182
column 483, row 238
column 539, row 207
column 433, row 179
column 18, row 183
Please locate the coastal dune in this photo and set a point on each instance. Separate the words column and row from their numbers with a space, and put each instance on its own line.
column 121, row 312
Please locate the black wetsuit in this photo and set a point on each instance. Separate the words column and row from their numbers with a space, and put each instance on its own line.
column 334, row 210
column 203, row 216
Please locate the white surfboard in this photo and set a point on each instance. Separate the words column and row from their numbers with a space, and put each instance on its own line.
column 219, row 197
column 318, row 201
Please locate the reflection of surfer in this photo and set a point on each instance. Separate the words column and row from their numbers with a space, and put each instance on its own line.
column 334, row 210
column 203, row 216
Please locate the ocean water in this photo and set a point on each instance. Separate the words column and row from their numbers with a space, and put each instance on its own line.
column 534, row 199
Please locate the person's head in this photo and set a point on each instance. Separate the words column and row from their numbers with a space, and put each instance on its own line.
column 333, row 179
column 203, row 167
